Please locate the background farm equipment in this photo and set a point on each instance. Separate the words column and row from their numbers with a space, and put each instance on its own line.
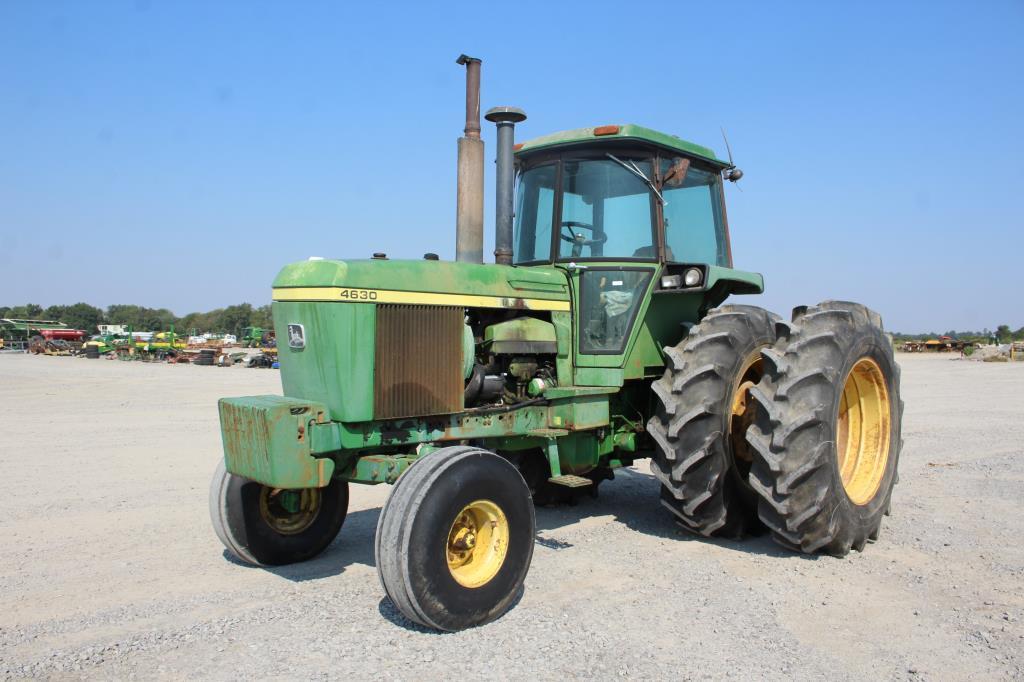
column 40, row 345
column 261, row 361
column 254, row 337
column 18, row 334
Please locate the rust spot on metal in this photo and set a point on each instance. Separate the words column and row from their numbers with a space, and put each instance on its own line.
column 396, row 432
column 676, row 173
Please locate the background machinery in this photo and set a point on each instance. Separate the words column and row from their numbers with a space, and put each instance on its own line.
column 598, row 337
column 48, row 337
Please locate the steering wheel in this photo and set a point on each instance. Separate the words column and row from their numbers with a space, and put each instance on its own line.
column 577, row 239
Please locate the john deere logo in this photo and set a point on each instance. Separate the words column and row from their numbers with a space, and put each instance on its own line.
column 296, row 336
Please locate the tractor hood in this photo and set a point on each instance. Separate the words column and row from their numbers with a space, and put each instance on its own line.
column 425, row 282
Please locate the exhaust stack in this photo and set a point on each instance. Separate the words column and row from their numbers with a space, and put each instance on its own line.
column 469, row 210
column 505, row 118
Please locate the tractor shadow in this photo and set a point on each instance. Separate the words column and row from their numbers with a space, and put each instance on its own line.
column 633, row 500
column 390, row 612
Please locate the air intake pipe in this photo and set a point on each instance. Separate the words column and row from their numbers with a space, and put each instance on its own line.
column 505, row 118
column 469, row 209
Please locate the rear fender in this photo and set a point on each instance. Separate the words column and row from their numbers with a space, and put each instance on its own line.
column 724, row 282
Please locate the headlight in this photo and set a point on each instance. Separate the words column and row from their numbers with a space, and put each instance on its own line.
column 692, row 277
column 671, row 282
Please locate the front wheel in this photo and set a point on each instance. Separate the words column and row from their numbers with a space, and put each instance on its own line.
column 455, row 539
column 267, row 526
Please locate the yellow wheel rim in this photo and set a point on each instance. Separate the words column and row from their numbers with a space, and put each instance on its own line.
column 289, row 511
column 477, row 543
column 742, row 413
column 862, row 431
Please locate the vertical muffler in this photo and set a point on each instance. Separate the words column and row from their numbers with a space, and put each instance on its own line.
column 505, row 118
column 469, row 209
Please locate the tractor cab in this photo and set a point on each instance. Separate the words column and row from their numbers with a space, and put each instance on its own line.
column 615, row 206
column 619, row 196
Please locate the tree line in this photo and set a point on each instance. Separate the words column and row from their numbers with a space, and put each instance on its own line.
column 1002, row 333
column 230, row 320
column 234, row 318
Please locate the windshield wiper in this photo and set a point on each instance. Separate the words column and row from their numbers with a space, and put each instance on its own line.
column 635, row 170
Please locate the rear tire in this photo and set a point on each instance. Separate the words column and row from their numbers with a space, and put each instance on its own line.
column 455, row 539
column 701, row 456
column 253, row 524
column 827, row 436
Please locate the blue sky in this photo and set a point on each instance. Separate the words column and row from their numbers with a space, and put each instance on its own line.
column 176, row 154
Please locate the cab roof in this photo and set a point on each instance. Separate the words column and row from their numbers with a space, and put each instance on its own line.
column 609, row 133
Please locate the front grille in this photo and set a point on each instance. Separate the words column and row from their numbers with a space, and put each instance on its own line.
column 418, row 361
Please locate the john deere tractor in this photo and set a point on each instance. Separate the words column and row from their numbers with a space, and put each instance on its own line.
column 599, row 337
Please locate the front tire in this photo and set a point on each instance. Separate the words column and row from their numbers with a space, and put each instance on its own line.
column 827, row 436
column 455, row 539
column 266, row 526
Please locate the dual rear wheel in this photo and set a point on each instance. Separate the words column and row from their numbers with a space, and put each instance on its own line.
column 793, row 427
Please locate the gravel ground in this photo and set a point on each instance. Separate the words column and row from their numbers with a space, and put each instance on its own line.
column 110, row 568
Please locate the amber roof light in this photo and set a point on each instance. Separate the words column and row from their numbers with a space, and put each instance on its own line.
column 606, row 130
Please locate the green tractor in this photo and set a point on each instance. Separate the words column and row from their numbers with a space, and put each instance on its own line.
column 598, row 337
column 254, row 337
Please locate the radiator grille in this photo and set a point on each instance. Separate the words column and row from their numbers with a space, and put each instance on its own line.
column 418, row 361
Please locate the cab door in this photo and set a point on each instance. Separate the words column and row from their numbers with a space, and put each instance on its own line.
column 607, row 242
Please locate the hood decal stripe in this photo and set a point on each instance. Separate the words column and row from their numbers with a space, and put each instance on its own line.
column 358, row 295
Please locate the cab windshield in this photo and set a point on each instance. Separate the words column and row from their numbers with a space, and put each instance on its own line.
column 606, row 212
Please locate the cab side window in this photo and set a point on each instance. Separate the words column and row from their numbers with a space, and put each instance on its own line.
column 694, row 221
column 536, row 196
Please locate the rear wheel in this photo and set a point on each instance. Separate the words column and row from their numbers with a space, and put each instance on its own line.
column 701, row 456
column 267, row 526
column 455, row 539
column 826, row 441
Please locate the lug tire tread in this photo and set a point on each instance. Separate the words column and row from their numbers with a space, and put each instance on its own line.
column 692, row 456
column 795, row 474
